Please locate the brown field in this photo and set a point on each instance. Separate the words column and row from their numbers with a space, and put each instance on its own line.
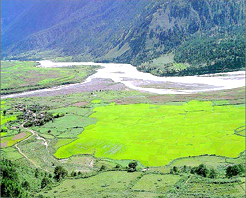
column 19, row 136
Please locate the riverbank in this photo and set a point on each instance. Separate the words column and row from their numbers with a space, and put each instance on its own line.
column 115, row 76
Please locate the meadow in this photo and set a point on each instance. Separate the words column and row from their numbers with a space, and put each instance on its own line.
column 22, row 76
column 123, row 184
column 158, row 134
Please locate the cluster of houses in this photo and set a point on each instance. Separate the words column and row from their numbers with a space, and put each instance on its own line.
column 34, row 115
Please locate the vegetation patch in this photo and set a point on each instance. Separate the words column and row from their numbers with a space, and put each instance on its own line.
column 156, row 183
column 10, row 153
column 62, row 128
column 198, row 187
column 61, row 142
column 127, row 132
column 11, row 140
column 96, row 186
column 22, row 76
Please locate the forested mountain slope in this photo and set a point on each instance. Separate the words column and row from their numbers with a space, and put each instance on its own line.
column 129, row 31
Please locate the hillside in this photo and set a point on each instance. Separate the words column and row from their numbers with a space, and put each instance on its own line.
column 135, row 31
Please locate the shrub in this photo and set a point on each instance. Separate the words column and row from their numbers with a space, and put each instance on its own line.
column 36, row 173
column 73, row 174
column 201, row 170
column 212, row 174
column 132, row 166
column 60, row 173
column 103, row 168
column 174, row 170
column 45, row 182
column 235, row 170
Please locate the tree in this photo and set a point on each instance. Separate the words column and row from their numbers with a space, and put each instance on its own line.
column 193, row 170
column 60, row 173
column 45, row 182
column 185, row 169
column 212, row 174
column 242, row 168
column 234, row 170
column 174, row 170
column 117, row 166
column 103, row 168
column 10, row 184
column 132, row 166
column 201, row 170
column 73, row 174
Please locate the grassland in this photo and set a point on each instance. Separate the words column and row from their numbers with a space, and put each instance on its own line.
column 23, row 76
column 123, row 184
column 112, row 184
column 156, row 183
column 156, row 134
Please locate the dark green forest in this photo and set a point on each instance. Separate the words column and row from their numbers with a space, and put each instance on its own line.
column 205, row 53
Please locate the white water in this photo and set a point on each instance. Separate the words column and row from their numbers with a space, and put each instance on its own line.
column 127, row 74
column 130, row 77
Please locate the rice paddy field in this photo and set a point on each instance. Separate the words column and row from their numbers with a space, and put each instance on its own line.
column 158, row 134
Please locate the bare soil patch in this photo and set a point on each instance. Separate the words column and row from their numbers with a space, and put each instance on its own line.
column 3, row 144
column 19, row 136
column 97, row 84
column 79, row 104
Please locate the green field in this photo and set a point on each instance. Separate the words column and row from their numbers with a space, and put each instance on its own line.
column 5, row 118
column 96, row 186
column 22, row 76
column 156, row 183
column 11, row 140
column 157, row 134
column 122, row 184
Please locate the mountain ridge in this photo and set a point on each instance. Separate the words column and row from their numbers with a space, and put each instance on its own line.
column 133, row 32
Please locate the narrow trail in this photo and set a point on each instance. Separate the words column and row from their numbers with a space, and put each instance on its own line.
column 16, row 146
column 34, row 133
column 38, row 137
column 184, row 185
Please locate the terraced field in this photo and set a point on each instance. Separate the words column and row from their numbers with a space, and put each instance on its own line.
column 156, row 134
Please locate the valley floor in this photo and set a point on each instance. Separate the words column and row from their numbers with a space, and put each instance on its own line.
column 100, row 130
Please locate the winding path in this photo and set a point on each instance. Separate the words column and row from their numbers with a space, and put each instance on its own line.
column 34, row 133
